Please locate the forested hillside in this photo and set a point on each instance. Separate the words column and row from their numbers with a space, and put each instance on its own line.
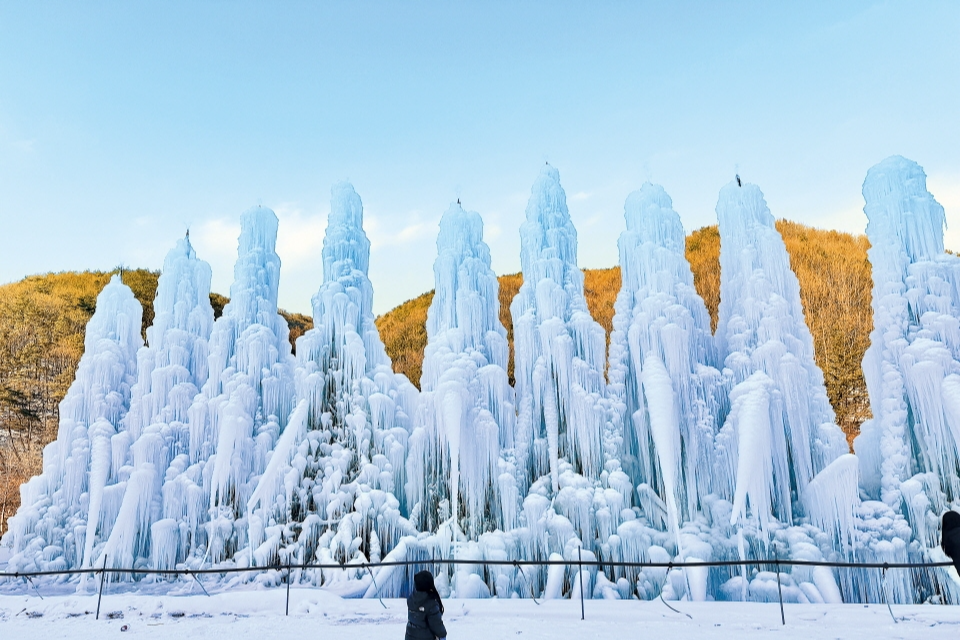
column 42, row 322
column 835, row 286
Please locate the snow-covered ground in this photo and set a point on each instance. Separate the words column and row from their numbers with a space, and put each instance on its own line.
column 258, row 614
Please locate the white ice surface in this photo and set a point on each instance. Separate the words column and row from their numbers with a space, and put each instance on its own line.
column 258, row 614
column 189, row 452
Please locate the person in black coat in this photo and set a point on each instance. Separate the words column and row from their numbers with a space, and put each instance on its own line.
column 950, row 537
column 425, row 610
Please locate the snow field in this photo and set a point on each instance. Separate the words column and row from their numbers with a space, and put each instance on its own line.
column 258, row 614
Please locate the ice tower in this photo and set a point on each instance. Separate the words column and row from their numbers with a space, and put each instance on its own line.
column 333, row 490
column 565, row 441
column 456, row 472
column 665, row 387
column 780, row 431
column 910, row 450
column 244, row 406
column 67, row 512
column 154, row 449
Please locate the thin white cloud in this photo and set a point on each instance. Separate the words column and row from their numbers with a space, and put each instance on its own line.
column 387, row 232
column 215, row 240
column 300, row 237
column 946, row 189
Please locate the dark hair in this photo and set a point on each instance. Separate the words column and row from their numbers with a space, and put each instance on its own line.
column 423, row 581
column 951, row 520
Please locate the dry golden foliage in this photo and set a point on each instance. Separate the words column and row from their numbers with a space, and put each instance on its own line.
column 298, row 323
column 42, row 322
column 43, row 319
column 835, row 290
column 16, row 467
column 703, row 254
column 404, row 333
column 835, row 285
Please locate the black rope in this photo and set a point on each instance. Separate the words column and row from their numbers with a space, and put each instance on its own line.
column 289, row 580
column 665, row 579
column 883, row 589
column 374, row 580
column 193, row 575
column 34, row 586
column 493, row 563
column 529, row 583
column 103, row 575
column 783, row 619
column 580, row 576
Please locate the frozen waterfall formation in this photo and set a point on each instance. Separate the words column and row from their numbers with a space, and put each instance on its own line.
column 910, row 450
column 457, row 472
column 215, row 446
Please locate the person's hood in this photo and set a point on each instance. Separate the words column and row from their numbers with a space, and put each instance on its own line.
column 951, row 521
column 419, row 599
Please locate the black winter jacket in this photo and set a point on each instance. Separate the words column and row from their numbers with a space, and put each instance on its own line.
column 950, row 537
column 424, row 620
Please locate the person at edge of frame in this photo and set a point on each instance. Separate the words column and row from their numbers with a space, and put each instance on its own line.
column 425, row 610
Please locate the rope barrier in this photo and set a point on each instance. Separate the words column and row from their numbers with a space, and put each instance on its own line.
column 883, row 589
column 666, row 579
column 783, row 619
column 376, row 588
column 193, row 575
column 492, row 563
column 518, row 564
column 103, row 575
column 527, row 580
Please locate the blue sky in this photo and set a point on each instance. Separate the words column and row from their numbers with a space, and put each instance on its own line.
column 121, row 124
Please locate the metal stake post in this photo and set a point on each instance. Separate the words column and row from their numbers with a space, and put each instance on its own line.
column 776, row 557
column 580, row 573
column 289, row 579
column 103, row 574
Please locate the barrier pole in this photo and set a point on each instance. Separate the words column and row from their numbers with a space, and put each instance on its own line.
column 580, row 573
column 776, row 557
column 103, row 575
column 289, row 580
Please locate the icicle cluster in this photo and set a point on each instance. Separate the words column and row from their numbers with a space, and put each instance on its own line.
column 334, row 487
column 910, row 450
column 457, row 471
column 663, row 376
column 215, row 446
column 781, row 430
column 566, row 446
column 155, row 445
column 69, row 509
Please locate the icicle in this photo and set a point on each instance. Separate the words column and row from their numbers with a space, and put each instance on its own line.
column 467, row 403
column 663, row 382
column 72, row 497
column 910, row 451
column 761, row 328
column 565, row 438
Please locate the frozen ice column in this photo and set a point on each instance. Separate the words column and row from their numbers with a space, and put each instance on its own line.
column 244, row 406
column 154, row 449
column 665, row 387
column 910, row 449
column 559, row 349
column 455, row 470
column 67, row 511
column 334, row 484
column 780, row 431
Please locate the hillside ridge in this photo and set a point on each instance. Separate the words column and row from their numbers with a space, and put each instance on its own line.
column 43, row 320
column 835, row 289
